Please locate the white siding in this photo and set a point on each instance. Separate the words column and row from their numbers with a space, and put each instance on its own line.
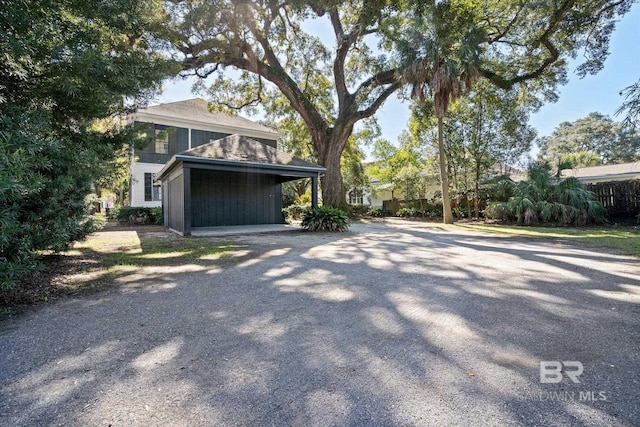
column 137, row 183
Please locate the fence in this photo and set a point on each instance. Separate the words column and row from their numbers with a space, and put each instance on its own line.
column 620, row 198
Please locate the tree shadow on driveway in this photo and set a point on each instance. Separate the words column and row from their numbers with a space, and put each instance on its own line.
column 385, row 325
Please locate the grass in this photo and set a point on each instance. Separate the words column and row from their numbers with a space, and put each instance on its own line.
column 623, row 240
column 152, row 249
column 93, row 264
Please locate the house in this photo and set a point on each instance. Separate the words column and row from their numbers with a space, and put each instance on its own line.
column 605, row 173
column 177, row 127
column 617, row 187
column 234, row 180
column 209, row 169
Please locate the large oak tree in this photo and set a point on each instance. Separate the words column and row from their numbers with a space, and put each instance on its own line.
column 377, row 48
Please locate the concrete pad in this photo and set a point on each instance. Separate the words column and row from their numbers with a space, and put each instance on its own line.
column 234, row 230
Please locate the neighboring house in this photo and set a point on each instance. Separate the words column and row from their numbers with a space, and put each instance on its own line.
column 606, row 173
column 617, row 187
column 180, row 126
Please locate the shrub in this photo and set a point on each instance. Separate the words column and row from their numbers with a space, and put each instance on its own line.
column 380, row 212
column 43, row 187
column 325, row 218
column 406, row 212
column 139, row 215
column 361, row 209
column 302, row 200
column 545, row 199
column 296, row 211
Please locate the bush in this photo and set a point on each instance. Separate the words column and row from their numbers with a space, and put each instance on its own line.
column 380, row 212
column 545, row 199
column 305, row 199
column 407, row 213
column 325, row 218
column 43, row 188
column 361, row 209
column 296, row 211
column 138, row 215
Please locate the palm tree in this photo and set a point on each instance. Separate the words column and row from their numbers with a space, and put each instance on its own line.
column 443, row 81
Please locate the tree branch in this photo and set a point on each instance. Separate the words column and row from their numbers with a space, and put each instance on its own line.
column 371, row 110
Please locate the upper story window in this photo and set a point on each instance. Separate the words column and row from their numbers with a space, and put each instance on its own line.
column 162, row 141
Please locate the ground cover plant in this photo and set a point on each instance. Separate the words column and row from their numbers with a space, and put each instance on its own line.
column 325, row 218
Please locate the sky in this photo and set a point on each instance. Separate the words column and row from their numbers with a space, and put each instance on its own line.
column 578, row 97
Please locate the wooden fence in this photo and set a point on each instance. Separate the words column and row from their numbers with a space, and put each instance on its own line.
column 620, row 198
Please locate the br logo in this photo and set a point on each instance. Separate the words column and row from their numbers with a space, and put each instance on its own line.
column 551, row 371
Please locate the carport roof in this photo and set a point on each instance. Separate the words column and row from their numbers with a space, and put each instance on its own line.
column 241, row 151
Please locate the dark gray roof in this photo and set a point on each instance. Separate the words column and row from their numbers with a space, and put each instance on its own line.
column 240, row 148
column 198, row 110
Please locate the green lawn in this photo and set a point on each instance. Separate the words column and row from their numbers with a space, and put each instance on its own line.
column 623, row 240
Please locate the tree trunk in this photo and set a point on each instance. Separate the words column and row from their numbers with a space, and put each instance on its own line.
column 447, row 217
column 329, row 149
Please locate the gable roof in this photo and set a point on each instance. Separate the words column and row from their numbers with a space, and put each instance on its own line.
column 239, row 150
column 605, row 171
column 197, row 110
column 244, row 149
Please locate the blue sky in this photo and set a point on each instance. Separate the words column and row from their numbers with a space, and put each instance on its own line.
column 578, row 97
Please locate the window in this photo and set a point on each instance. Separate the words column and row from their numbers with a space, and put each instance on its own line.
column 162, row 141
column 356, row 196
column 152, row 190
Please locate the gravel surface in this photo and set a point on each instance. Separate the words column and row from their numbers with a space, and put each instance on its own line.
column 392, row 323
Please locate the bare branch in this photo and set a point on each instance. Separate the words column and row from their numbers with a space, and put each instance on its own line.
column 371, row 110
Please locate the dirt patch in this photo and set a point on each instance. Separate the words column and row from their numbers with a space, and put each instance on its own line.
column 70, row 273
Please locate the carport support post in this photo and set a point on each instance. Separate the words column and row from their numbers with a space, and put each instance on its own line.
column 314, row 191
column 186, row 209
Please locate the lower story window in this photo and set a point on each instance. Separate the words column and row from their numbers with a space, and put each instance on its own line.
column 356, row 196
column 152, row 191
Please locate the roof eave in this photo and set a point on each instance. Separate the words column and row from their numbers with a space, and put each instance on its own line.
column 192, row 159
column 217, row 127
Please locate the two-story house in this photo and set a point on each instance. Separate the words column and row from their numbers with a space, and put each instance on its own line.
column 209, row 169
column 177, row 127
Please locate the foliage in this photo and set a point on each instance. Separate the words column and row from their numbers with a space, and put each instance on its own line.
column 296, row 211
column 545, row 198
column 65, row 64
column 42, row 194
column 360, row 209
column 631, row 106
column 325, row 218
column 379, row 47
column 131, row 215
column 380, row 212
column 593, row 139
column 486, row 130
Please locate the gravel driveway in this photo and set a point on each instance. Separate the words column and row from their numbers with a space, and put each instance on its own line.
column 389, row 324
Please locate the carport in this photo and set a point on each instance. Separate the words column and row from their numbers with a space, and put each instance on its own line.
column 229, row 182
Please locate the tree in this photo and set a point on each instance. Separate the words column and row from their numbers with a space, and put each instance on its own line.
column 487, row 128
column 466, row 41
column 65, row 64
column 593, row 139
column 631, row 105
column 266, row 42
